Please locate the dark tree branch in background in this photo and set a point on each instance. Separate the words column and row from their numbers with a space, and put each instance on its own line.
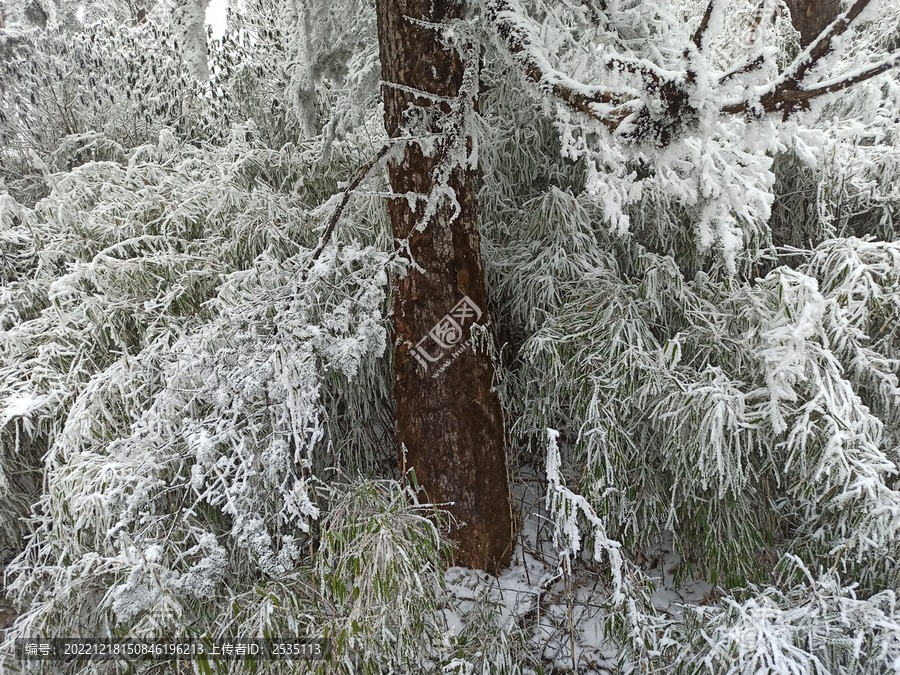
column 811, row 17
column 704, row 25
column 757, row 21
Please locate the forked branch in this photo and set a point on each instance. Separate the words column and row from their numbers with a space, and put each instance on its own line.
column 787, row 99
column 790, row 92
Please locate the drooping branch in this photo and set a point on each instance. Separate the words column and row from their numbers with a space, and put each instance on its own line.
column 361, row 173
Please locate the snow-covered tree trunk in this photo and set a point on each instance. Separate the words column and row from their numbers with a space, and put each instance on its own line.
column 449, row 422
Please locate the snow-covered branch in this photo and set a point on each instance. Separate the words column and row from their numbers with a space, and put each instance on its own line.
column 700, row 33
column 792, row 91
column 667, row 105
column 516, row 34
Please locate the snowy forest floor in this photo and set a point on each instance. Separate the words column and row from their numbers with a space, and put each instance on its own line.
column 534, row 601
column 557, row 610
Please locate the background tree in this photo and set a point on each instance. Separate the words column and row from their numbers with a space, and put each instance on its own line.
column 811, row 18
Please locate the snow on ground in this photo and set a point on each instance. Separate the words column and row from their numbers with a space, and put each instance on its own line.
column 534, row 592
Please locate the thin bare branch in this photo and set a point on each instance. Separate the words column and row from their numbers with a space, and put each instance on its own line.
column 757, row 22
column 357, row 179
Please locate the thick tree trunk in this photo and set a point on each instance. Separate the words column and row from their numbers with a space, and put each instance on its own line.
column 449, row 423
column 810, row 17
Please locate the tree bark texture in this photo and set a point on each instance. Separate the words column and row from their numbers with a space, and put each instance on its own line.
column 449, row 421
column 810, row 17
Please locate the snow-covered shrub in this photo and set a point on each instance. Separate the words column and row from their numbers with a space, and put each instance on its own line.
column 808, row 623
column 188, row 383
column 91, row 95
column 753, row 402
column 380, row 565
column 699, row 384
column 490, row 638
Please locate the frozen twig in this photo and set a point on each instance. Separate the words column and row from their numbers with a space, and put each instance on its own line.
column 345, row 198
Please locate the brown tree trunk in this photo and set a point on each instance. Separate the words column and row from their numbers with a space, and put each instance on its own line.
column 449, row 423
column 810, row 17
